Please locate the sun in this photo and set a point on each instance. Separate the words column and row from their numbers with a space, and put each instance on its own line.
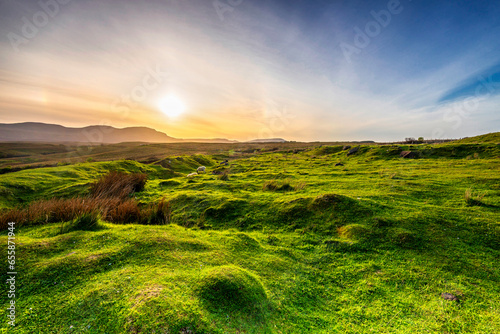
column 172, row 106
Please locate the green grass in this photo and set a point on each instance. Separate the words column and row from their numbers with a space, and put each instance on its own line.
column 493, row 137
column 288, row 243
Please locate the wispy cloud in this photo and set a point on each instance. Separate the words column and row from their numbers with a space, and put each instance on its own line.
column 235, row 75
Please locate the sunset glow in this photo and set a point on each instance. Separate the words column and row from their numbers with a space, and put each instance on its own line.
column 300, row 70
column 172, row 106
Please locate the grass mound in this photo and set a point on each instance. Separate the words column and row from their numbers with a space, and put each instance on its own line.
column 354, row 232
column 282, row 185
column 403, row 237
column 325, row 150
column 327, row 201
column 226, row 211
column 341, row 206
column 243, row 242
column 493, row 137
column 293, row 214
column 231, row 288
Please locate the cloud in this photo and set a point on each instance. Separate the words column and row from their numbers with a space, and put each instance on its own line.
column 484, row 83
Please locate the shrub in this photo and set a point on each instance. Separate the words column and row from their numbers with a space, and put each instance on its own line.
column 118, row 184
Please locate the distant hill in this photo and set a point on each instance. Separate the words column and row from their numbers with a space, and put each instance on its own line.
column 53, row 133
column 268, row 140
column 209, row 140
column 493, row 137
column 41, row 132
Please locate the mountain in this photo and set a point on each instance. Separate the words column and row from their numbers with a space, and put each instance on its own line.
column 97, row 134
column 41, row 132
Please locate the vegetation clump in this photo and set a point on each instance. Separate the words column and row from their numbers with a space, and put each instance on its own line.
column 109, row 199
column 283, row 185
column 224, row 176
column 85, row 222
column 118, row 184
column 158, row 213
column 471, row 199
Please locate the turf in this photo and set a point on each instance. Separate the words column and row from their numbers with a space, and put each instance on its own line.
column 287, row 243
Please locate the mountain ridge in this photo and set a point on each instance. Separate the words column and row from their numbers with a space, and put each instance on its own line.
column 95, row 134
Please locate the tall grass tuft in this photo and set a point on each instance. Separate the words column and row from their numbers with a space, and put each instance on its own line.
column 471, row 199
column 109, row 200
column 49, row 211
column 118, row 184
column 85, row 222
column 114, row 210
column 158, row 214
column 121, row 212
column 224, row 176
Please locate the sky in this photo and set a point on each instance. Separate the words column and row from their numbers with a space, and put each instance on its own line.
column 249, row 69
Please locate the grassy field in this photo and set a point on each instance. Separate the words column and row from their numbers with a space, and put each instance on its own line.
column 281, row 240
column 16, row 156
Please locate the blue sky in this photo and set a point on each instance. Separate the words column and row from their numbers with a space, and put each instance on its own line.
column 301, row 70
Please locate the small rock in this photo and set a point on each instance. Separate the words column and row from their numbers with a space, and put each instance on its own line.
column 353, row 150
column 449, row 296
column 408, row 154
column 346, row 147
column 339, row 164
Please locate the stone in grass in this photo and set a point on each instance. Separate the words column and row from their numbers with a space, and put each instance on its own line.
column 408, row 154
column 449, row 296
column 353, row 150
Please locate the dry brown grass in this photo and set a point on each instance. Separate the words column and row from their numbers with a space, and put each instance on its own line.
column 113, row 210
column 109, row 200
column 123, row 212
column 118, row 184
